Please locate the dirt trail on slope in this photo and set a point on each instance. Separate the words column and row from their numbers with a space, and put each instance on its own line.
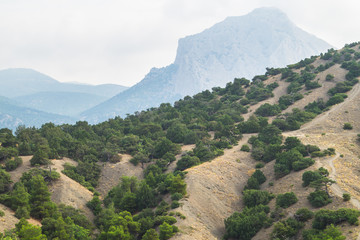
column 214, row 190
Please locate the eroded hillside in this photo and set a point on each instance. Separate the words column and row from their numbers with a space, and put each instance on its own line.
column 180, row 171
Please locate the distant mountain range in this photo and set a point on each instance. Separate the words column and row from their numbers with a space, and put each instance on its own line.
column 17, row 82
column 12, row 115
column 237, row 47
column 32, row 98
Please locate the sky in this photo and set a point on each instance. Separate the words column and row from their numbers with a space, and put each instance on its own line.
column 118, row 41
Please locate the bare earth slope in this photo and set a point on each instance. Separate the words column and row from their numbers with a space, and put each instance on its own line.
column 214, row 188
column 64, row 190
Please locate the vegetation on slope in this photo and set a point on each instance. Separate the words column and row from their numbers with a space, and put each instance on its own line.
column 140, row 209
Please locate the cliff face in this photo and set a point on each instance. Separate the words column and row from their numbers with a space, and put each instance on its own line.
column 237, row 47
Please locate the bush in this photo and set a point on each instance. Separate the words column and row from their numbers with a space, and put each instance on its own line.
column 318, row 154
column 329, row 77
column 176, row 196
column 319, row 198
column 245, row 224
column 2, row 213
column 259, row 165
column 245, row 148
column 175, row 204
column 286, row 200
column 5, row 181
column 326, row 217
column 346, row 197
column 11, row 165
column 284, row 230
column 347, row 126
column 253, row 197
column 304, row 214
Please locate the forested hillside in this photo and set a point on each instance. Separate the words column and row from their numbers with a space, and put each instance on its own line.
column 265, row 111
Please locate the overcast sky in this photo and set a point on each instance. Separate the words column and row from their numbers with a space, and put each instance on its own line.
column 118, row 41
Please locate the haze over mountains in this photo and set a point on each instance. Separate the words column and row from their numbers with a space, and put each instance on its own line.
column 32, row 98
column 237, row 47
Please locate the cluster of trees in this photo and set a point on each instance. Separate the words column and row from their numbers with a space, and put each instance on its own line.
column 319, row 180
column 30, row 197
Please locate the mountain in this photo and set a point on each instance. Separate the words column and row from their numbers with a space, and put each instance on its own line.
column 17, row 82
column 12, row 115
column 277, row 157
column 61, row 102
column 237, row 47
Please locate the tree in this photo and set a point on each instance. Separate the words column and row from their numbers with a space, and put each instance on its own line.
column 55, row 228
column 95, row 205
column 145, row 196
column 5, row 181
column 19, row 197
column 150, row 234
column 41, row 205
column 253, row 198
column 244, row 225
column 303, row 214
column 26, row 231
column 310, row 176
column 319, row 198
column 286, row 200
column 40, row 157
column 270, row 135
column 166, row 231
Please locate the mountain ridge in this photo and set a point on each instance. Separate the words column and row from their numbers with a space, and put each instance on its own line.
column 235, row 47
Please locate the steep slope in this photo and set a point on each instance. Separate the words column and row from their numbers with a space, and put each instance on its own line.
column 12, row 115
column 16, row 82
column 236, row 47
column 217, row 185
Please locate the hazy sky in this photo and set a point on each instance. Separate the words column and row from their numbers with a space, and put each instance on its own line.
column 118, row 41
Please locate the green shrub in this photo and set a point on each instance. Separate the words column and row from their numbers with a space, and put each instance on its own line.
column 284, row 230
column 346, row 197
column 5, row 181
column 347, row 126
column 286, row 200
column 311, row 85
column 331, row 232
column 259, row 165
column 11, row 165
column 2, row 213
column 176, row 196
column 245, row 224
column 304, row 214
column 325, row 217
column 245, row 148
column 253, row 197
column 319, row 198
column 329, row 77
column 175, row 204
column 318, row 154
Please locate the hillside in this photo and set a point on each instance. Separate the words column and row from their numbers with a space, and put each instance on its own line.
column 237, row 47
column 266, row 159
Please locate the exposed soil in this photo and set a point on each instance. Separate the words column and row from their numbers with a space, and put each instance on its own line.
column 112, row 172
column 214, row 188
